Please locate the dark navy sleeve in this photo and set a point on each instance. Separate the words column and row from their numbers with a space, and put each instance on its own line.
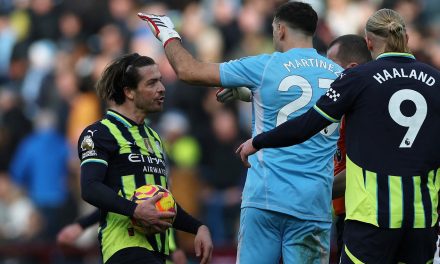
column 340, row 97
column 185, row 222
column 292, row 132
column 95, row 148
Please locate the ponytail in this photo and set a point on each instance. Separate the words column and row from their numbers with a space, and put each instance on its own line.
column 389, row 25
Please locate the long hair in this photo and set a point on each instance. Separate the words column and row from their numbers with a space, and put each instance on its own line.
column 388, row 24
column 122, row 72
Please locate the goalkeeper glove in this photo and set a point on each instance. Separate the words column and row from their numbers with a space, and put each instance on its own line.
column 228, row 95
column 161, row 26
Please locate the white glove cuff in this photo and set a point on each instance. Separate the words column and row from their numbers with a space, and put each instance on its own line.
column 166, row 35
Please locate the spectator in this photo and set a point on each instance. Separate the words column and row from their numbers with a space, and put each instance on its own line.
column 40, row 168
column 18, row 215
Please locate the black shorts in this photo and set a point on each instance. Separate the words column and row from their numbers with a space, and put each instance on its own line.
column 136, row 255
column 366, row 243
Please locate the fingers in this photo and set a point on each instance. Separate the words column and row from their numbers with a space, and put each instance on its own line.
column 198, row 247
column 155, row 198
column 150, row 22
column 243, row 155
column 239, row 149
column 157, row 225
column 244, row 159
column 225, row 99
column 142, row 16
column 219, row 90
column 165, row 215
column 207, row 254
column 203, row 244
column 224, row 95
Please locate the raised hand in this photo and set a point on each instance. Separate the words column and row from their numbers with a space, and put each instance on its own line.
column 161, row 26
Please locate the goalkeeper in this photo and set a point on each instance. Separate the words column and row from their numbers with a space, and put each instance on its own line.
column 286, row 201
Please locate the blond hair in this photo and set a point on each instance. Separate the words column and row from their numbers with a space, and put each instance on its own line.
column 388, row 24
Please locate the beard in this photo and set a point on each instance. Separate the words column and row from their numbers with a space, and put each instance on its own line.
column 149, row 107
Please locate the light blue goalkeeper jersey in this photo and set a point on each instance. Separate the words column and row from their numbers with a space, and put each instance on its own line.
column 294, row 180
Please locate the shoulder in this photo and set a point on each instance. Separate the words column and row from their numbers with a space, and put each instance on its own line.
column 432, row 70
column 95, row 132
column 257, row 59
column 361, row 70
column 352, row 76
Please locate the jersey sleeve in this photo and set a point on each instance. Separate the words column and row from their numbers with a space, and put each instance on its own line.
column 342, row 94
column 246, row 72
column 95, row 145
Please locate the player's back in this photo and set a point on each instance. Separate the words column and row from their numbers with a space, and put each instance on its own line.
column 392, row 143
column 395, row 124
column 294, row 180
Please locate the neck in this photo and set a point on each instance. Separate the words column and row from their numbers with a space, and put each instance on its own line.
column 130, row 111
column 376, row 44
column 295, row 41
column 376, row 52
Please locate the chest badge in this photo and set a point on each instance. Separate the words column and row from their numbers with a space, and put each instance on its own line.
column 148, row 145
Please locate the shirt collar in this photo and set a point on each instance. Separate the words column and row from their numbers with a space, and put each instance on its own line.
column 121, row 118
column 396, row 54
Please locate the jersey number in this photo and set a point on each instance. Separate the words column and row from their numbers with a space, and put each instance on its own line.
column 414, row 122
column 303, row 100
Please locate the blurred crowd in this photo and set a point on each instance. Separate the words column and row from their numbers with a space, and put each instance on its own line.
column 52, row 52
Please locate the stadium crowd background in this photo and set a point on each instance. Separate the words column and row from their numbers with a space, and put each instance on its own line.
column 53, row 51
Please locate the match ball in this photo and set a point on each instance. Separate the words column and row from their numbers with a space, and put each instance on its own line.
column 165, row 204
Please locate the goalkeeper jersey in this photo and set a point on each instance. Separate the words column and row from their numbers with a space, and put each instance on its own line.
column 294, row 180
column 134, row 156
column 392, row 113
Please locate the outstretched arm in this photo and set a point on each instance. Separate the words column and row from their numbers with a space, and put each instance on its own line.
column 190, row 70
column 289, row 133
column 187, row 68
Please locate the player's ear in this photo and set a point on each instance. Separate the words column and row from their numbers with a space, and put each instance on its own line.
column 129, row 93
column 282, row 31
column 351, row 65
column 369, row 43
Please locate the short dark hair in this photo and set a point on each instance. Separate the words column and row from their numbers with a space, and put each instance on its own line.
column 299, row 16
column 352, row 48
column 120, row 73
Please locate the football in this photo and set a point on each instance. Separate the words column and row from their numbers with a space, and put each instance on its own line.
column 166, row 203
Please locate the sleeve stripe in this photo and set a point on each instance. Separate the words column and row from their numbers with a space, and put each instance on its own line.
column 325, row 115
column 94, row 160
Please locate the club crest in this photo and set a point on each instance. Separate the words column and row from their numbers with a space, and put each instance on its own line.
column 148, row 145
column 87, row 143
